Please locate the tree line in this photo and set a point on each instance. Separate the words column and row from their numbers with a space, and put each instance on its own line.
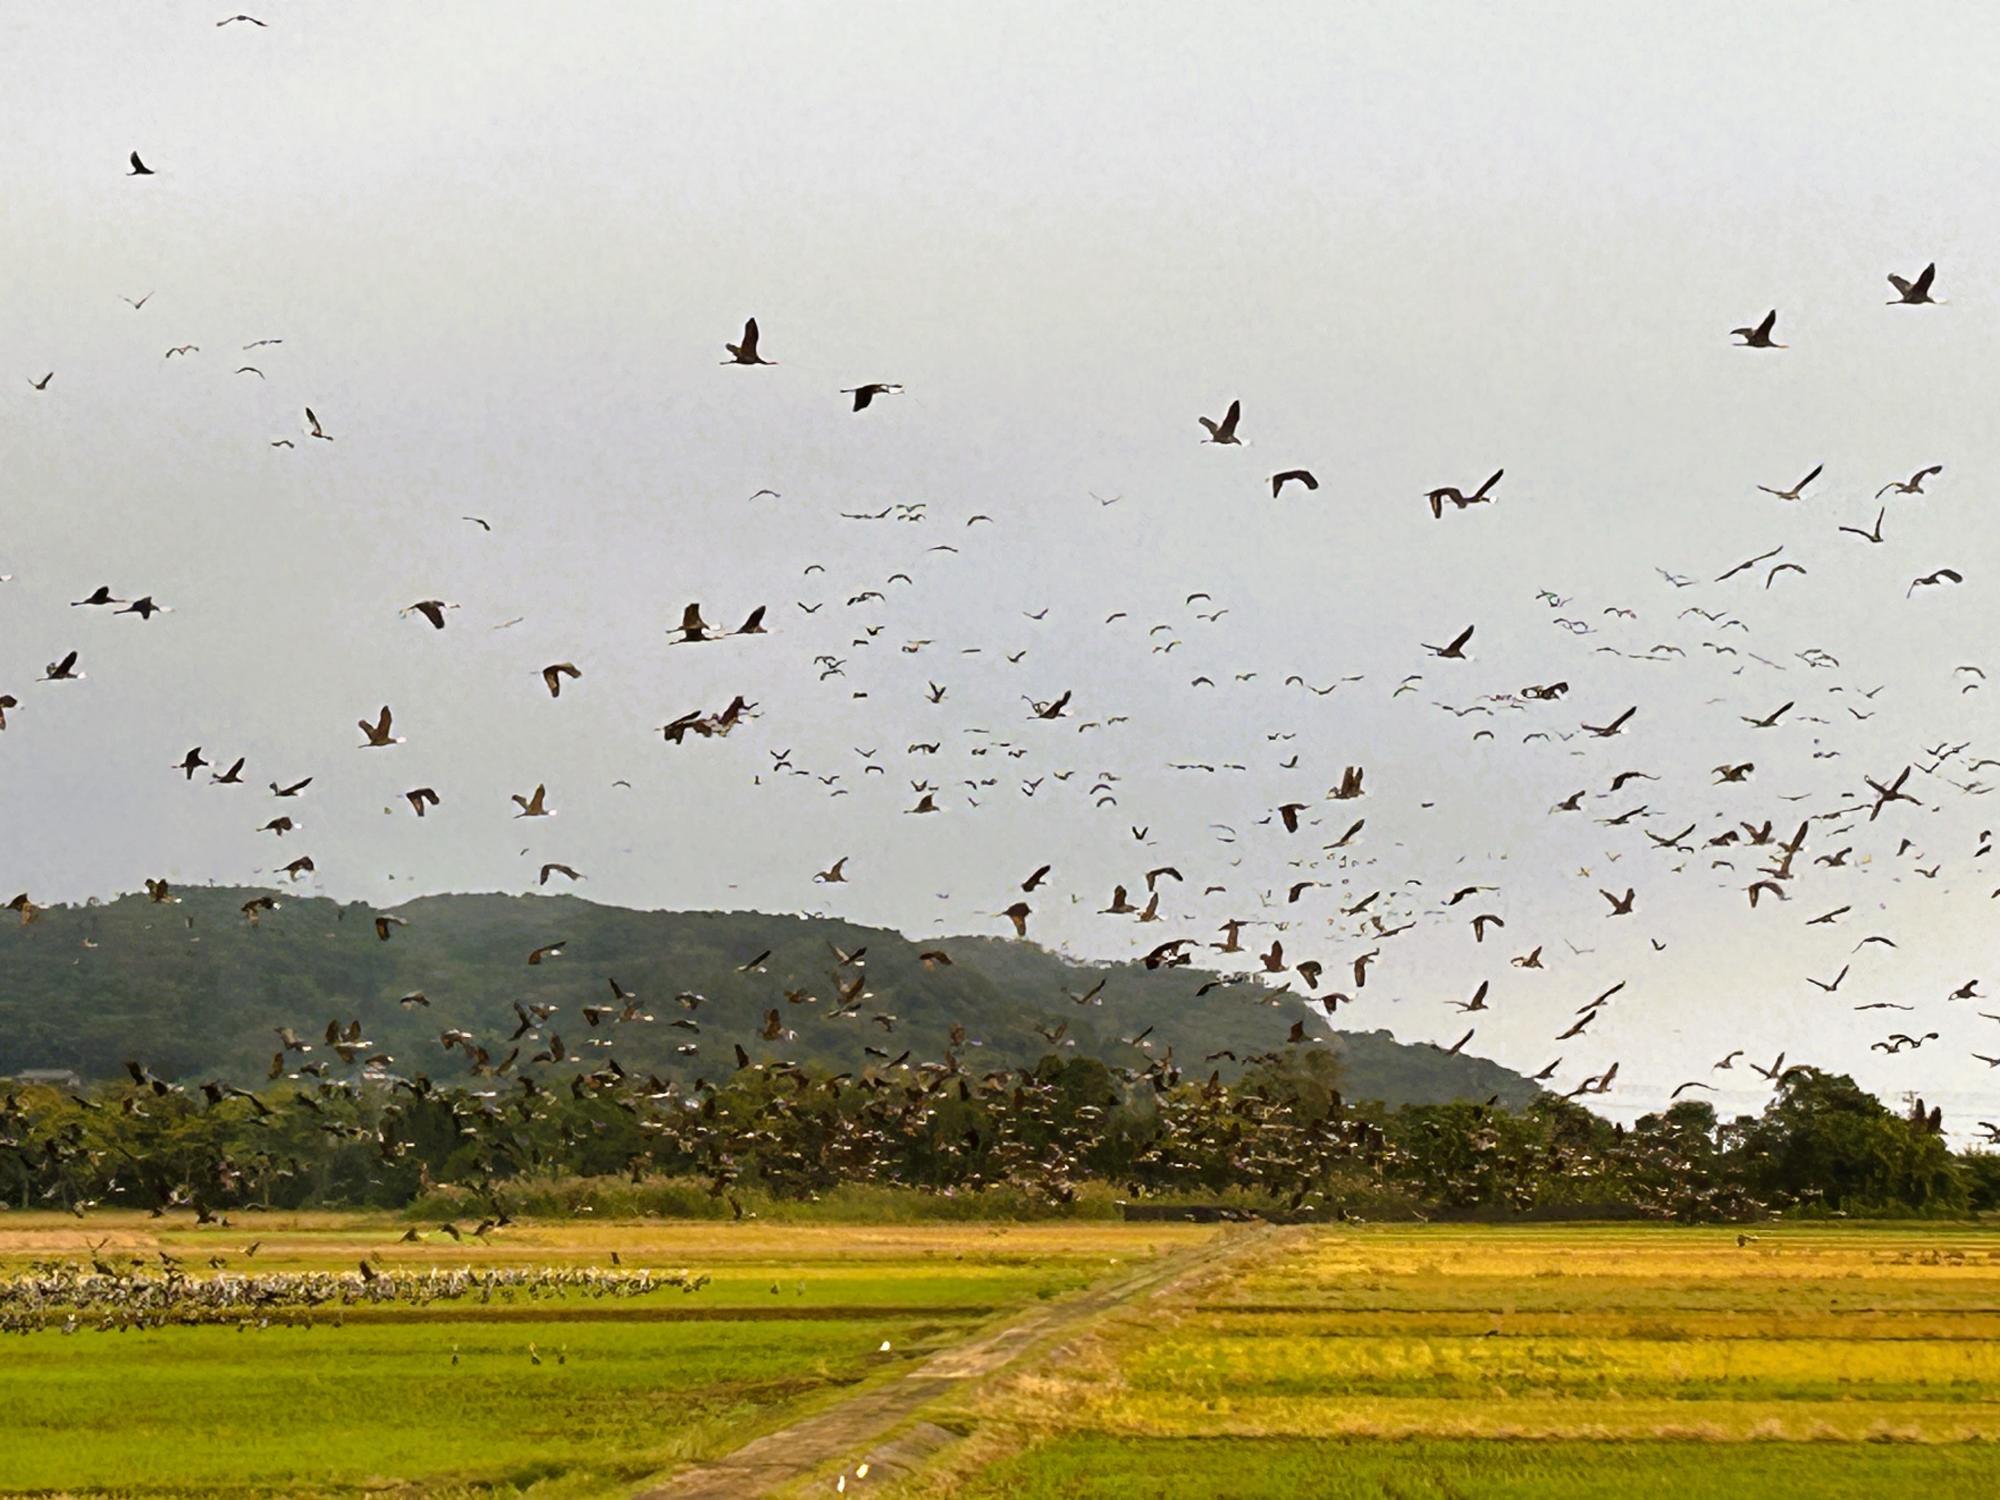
column 1280, row 1136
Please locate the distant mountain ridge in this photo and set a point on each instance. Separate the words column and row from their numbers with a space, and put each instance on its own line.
column 194, row 990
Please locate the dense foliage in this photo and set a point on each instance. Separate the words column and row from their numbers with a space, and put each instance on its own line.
column 1281, row 1136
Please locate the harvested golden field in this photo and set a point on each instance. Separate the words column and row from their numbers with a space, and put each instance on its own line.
column 1477, row 1360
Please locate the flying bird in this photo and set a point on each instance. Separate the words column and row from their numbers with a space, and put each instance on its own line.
column 377, row 733
column 1453, row 496
column 1914, row 485
column 865, row 394
column 693, row 627
column 1225, row 430
column 431, row 609
column 1914, row 293
column 1760, row 336
column 745, row 353
column 1605, row 731
column 1456, row 650
column 1874, row 536
column 1796, row 490
column 1942, row 575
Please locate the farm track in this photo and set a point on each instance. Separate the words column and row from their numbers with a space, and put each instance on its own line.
column 859, row 1424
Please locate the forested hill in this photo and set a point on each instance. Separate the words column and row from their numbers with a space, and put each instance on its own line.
column 195, row 991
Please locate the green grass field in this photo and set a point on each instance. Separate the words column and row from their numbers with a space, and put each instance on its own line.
column 1418, row 1361
column 370, row 1400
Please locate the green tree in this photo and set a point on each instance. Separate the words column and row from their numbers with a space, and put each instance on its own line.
column 1825, row 1140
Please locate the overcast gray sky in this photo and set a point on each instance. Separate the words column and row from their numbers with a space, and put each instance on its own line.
column 503, row 245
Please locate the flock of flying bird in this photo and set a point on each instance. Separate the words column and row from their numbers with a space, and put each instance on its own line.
column 1329, row 916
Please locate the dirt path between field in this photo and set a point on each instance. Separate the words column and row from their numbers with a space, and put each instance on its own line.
column 857, row 1425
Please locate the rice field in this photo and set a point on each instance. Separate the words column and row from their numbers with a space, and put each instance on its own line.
column 1547, row 1361
column 1433, row 1469
column 555, row 1395
column 1411, row 1362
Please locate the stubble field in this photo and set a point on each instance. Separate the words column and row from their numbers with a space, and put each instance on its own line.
column 1445, row 1361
